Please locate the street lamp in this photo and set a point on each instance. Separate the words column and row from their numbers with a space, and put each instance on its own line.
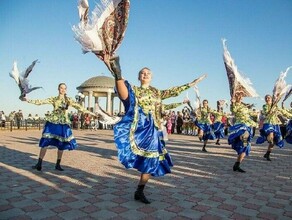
column 79, row 97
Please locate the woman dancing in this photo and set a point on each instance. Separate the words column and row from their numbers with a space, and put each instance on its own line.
column 240, row 134
column 138, row 136
column 271, row 131
column 57, row 131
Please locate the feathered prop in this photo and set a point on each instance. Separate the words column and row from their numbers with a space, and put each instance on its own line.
column 104, row 117
column 197, row 102
column 221, row 103
column 287, row 94
column 104, row 31
column 280, row 87
column 237, row 83
column 22, row 79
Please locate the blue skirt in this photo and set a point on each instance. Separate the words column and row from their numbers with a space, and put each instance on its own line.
column 207, row 129
column 288, row 136
column 58, row 135
column 235, row 132
column 266, row 130
column 139, row 142
column 218, row 128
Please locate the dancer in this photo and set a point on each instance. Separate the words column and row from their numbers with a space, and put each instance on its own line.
column 271, row 128
column 288, row 136
column 241, row 132
column 57, row 131
column 138, row 136
column 218, row 125
column 204, row 124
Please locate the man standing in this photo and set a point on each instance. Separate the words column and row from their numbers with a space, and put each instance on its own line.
column 18, row 119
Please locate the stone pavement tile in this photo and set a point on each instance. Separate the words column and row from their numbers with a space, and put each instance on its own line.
column 73, row 214
column 237, row 216
column 210, row 217
column 78, row 204
column 103, row 214
column 31, row 208
column 276, row 211
column 222, row 213
column 90, row 209
column 163, row 214
column 191, row 214
column 288, row 214
column 105, row 204
column 42, row 213
column 267, row 216
column 227, row 207
column 12, row 212
column 252, row 213
column 50, row 204
column 8, row 194
column 5, row 207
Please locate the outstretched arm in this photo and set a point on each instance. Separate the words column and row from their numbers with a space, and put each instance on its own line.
column 175, row 91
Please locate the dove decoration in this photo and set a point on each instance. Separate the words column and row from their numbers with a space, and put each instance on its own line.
column 237, row 82
column 104, row 31
column 281, row 89
column 22, row 79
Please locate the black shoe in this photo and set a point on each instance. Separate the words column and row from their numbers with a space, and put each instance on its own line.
column 217, row 143
column 37, row 167
column 240, row 170
column 267, row 156
column 58, row 167
column 204, row 149
column 140, row 196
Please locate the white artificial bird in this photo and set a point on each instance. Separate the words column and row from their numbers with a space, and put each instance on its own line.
column 22, row 79
column 88, row 31
column 105, row 117
column 237, row 82
column 280, row 87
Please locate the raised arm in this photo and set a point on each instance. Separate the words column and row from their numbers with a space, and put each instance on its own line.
column 116, row 71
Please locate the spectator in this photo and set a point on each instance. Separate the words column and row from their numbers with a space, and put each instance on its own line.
column 18, row 119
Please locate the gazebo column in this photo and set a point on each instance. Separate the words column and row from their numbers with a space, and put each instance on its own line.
column 89, row 100
column 112, row 102
column 121, row 107
column 108, row 102
column 96, row 106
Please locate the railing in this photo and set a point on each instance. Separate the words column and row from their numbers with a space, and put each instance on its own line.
column 28, row 124
column 22, row 125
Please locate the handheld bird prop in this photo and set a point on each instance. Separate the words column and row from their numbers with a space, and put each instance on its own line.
column 281, row 89
column 237, row 82
column 22, row 79
column 103, row 32
column 105, row 118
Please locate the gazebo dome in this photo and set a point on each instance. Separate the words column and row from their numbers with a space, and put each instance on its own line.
column 98, row 82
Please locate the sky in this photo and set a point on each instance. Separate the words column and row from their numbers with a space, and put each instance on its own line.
column 177, row 40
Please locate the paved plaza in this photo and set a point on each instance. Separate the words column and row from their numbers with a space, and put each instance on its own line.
column 95, row 185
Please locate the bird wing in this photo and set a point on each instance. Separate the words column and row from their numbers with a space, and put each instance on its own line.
column 15, row 73
column 29, row 69
column 83, row 8
column 103, row 32
column 237, row 82
column 280, row 86
column 105, row 117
